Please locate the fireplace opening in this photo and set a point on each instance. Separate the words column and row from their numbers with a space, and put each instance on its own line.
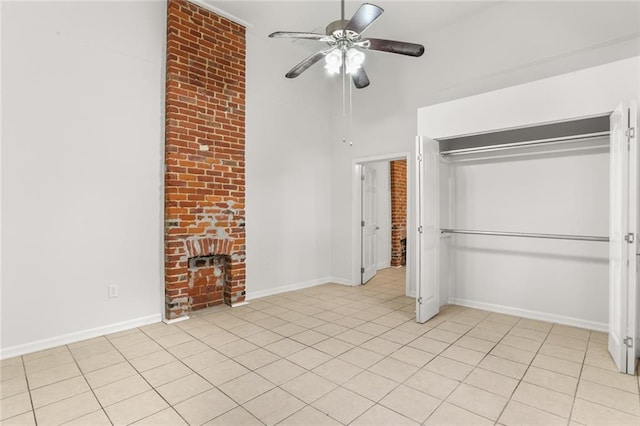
column 207, row 280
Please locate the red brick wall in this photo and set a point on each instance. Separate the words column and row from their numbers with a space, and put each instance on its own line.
column 398, row 176
column 204, row 155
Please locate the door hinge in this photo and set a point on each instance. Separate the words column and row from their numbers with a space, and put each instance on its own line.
column 628, row 341
column 362, row 270
column 420, row 300
column 630, row 132
column 362, row 223
column 419, row 157
column 630, row 238
column 420, row 229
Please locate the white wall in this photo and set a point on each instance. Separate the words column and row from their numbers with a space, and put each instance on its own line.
column 288, row 170
column 562, row 281
column 588, row 92
column 82, row 95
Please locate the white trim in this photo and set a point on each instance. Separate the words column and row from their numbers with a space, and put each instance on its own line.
column 237, row 305
column 537, row 315
column 175, row 320
column 78, row 336
column 221, row 12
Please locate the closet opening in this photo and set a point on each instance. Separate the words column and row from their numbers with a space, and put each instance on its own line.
column 538, row 222
column 524, row 213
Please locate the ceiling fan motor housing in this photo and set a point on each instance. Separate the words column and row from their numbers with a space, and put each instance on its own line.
column 338, row 25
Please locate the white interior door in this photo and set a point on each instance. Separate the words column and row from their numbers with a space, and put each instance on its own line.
column 427, row 263
column 369, row 224
column 623, row 230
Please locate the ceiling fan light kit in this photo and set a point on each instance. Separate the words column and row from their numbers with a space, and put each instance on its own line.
column 333, row 62
column 353, row 61
column 346, row 45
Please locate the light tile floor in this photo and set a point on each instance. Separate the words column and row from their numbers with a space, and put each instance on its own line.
column 327, row 355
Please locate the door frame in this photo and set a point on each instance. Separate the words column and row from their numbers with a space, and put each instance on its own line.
column 356, row 212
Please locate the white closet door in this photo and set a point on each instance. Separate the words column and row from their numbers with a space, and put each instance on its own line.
column 428, row 234
column 623, row 227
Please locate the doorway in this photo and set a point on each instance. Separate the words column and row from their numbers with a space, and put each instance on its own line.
column 380, row 200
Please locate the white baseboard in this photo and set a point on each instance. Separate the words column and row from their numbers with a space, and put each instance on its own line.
column 342, row 281
column 77, row 336
column 175, row 320
column 537, row 315
column 383, row 265
column 285, row 288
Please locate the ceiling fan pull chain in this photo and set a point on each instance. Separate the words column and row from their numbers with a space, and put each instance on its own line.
column 350, row 106
column 344, row 95
column 350, row 112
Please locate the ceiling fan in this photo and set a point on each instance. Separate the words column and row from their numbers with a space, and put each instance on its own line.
column 346, row 45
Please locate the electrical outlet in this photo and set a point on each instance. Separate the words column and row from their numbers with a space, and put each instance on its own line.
column 113, row 291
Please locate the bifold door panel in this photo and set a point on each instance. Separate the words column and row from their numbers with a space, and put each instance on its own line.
column 428, row 232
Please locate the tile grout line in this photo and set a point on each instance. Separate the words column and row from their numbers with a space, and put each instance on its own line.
column 89, row 384
column 575, row 395
column 524, row 374
column 474, row 367
column 194, row 372
column 140, row 373
column 75, row 362
column 26, row 378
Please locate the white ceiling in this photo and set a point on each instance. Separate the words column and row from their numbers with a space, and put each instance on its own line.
column 402, row 20
column 471, row 46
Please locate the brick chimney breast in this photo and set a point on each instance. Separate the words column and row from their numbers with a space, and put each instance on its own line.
column 204, row 160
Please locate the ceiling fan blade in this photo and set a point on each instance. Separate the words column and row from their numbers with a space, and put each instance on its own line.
column 400, row 47
column 302, row 66
column 360, row 78
column 365, row 16
column 289, row 34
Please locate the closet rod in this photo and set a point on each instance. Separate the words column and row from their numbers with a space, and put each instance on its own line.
column 527, row 235
column 549, row 141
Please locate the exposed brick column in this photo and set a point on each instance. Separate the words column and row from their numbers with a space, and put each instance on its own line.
column 398, row 177
column 204, row 152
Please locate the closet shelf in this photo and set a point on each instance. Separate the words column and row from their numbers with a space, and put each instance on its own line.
column 547, row 141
